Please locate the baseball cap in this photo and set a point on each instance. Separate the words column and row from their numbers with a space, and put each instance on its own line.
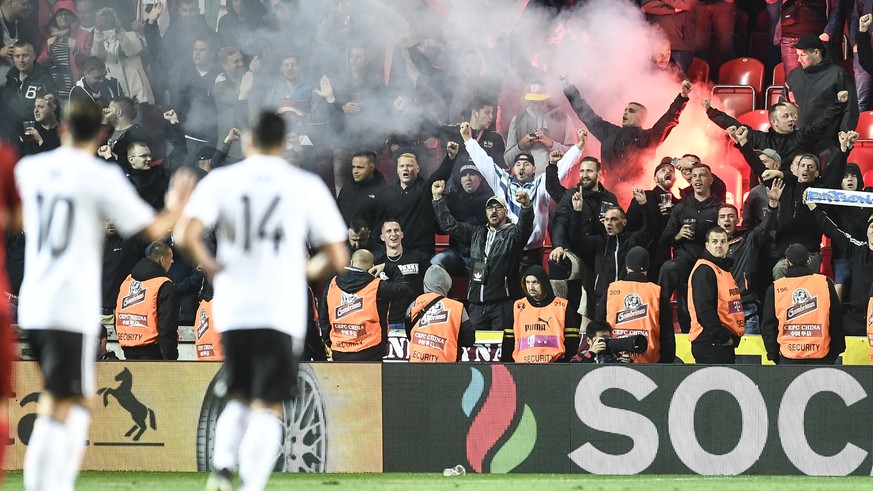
column 637, row 259
column 526, row 157
column 495, row 200
column 797, row 254
column 665, row 162
column 810, row 41
column 537, row 92
column 773, row 154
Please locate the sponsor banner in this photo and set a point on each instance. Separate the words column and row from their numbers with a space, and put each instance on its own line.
column 839, row 197
column 487, row 347
column 160, row 416
column 625, row 419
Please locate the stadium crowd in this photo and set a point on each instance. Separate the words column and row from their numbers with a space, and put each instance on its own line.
column 424, row 141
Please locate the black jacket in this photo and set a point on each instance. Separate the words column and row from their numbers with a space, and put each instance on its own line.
column 352, row 280
column 503, row 258
column 411, row 265
column 801, row 140
column 861, row 263
column 706, row 214
column 623, row 148
column 168, row 315
column 609, row 252
column 704, row 286
column 559, row 227
column 412, row 207
column 108, row 91
column 815, row 89
column 360, row 200
column 465, row 207
column 18, row 95
column 50, row 140
column 659, row 252
column 744, row 246
column 770, row 325
column 796, row 224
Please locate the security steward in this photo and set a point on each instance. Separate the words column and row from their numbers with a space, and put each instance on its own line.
column 436, row 325
column 207, row 340
column 147, row 311
column 539, row 327
column 802, row 323
column 717, row 319
column 634, row 307
column 353, row 313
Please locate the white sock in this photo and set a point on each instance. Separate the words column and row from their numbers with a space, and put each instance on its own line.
column 259, row 448
column 229, row 431
column 78, row 422
column 48, row 445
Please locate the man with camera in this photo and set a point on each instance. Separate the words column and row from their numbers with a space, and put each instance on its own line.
column 601, row 348
column 636, row 306
column 715, row 305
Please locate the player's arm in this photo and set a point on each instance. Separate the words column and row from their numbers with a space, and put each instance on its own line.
column 189, row 236
column 331, row 258
column 181, row 186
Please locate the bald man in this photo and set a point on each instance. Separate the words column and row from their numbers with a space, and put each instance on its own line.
column 354, row 311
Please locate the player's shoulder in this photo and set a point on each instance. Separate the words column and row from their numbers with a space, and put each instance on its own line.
column 64, row 156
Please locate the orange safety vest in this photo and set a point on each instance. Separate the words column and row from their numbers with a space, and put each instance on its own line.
column 354, row 319
column 539, row 331
column 632, row 307
column 434, row 338
column 803, row 306
column 136, row 313
column 207, row 341
column 730, row 305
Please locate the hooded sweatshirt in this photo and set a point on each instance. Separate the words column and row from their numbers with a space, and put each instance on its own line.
column 352, row 280
column 571, row 334
column 168, row 314
column 437, row 280
column 849, row 219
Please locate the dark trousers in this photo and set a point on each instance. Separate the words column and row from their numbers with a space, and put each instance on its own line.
column 491, row 316
column 706, row 353
column 674, row 278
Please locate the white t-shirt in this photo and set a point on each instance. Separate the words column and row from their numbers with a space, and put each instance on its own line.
column 266, row 210
column 67, row 196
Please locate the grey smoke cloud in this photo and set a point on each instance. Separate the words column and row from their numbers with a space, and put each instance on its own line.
column 605, row 46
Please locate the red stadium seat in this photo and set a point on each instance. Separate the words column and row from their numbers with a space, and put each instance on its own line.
column 779, row 74
column 698, row 71
column 756, row 120
column 735, row 99
column 774, row 94
column 865, row 126
column 743, row 71
column 863, row 156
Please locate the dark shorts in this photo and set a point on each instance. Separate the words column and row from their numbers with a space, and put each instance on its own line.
column 66, row 360
column 260, row 364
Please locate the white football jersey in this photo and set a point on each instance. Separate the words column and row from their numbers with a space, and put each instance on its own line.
column 266, row 211
column 67, row 196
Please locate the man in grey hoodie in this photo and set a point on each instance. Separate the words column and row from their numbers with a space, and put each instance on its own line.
column 444, row 314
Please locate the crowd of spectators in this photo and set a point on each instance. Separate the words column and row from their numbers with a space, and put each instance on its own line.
column 406, row 134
